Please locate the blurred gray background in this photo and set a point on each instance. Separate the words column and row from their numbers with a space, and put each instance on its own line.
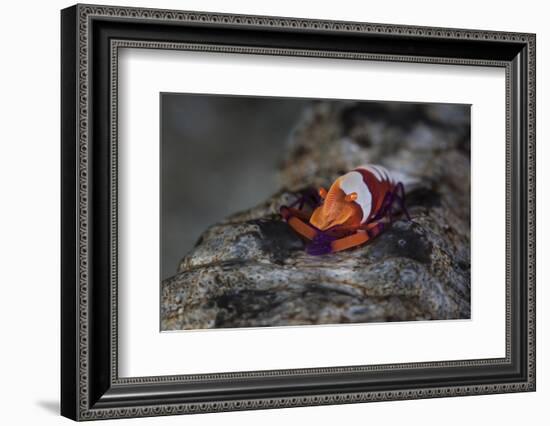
column 219, row 155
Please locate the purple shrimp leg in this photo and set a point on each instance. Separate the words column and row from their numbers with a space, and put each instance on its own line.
column 321, row 244
column 307, row 196
column 376, row 230
column 386, row 204
column 401, row 198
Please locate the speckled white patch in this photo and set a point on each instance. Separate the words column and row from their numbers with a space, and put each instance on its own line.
column 353, row 182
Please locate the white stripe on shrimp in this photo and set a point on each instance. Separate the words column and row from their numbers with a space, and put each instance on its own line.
column 374, row 170
column 383, row 172
column 389, row 176
column 380, row 172
column 353, row 182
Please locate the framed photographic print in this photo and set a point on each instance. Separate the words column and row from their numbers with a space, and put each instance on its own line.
column 263, row 212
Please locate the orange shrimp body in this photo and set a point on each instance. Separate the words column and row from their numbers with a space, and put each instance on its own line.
column 353, row 198
column 354, row 210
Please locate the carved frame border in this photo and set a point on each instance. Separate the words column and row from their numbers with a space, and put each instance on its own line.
column 85, row 13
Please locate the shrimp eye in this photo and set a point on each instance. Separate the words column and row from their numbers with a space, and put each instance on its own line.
column 351, row 197
column 322, row 193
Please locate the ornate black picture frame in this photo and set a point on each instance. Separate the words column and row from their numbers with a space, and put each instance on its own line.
column 90, row 38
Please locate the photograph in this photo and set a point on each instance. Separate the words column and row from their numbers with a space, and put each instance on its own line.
column 283, row 211
column 272, row 208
